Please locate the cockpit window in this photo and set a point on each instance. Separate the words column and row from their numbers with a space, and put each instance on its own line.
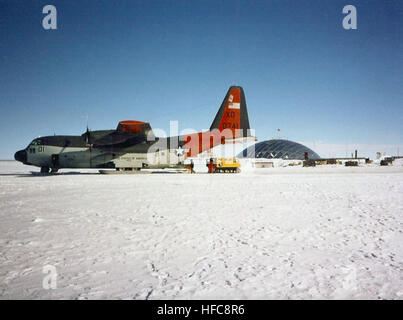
column 36, row 142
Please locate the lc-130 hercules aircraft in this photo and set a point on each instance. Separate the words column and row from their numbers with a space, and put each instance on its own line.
column 133, row 146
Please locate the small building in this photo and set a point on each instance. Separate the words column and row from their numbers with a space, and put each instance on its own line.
column 263, row 164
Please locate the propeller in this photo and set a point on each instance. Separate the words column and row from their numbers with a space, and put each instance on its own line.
column 88, row 136
column 87, row 132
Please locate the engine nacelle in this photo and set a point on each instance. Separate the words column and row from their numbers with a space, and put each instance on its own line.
column 132, row 126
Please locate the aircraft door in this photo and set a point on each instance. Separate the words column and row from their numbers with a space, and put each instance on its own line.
column 55, row 161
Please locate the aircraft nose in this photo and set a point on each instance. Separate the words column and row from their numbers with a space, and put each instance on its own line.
column 21, row 156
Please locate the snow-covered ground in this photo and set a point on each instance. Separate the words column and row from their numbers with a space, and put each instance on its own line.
column 303, row 233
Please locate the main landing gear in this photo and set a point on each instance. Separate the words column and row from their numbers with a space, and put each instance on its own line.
column 47, row 169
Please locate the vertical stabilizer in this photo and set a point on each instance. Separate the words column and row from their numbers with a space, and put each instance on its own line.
column 233, row 113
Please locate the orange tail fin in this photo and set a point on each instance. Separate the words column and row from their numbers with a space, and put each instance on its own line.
column 233, row 113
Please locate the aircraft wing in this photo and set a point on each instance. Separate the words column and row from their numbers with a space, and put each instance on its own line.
column 127, row 133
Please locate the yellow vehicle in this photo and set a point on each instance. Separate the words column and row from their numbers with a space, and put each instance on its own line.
column 225, row 165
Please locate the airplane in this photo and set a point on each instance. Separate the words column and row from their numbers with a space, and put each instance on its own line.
column 133, row 145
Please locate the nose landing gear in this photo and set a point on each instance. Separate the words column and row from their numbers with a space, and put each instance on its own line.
column 44, row 169
column 47, row 169
column 54, row 167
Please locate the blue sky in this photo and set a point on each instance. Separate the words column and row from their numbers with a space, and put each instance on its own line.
column 158, row 61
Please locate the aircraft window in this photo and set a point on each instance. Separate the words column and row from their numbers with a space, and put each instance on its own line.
column 36, row 142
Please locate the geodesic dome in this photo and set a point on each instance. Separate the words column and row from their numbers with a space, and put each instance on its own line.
column 278, row 149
